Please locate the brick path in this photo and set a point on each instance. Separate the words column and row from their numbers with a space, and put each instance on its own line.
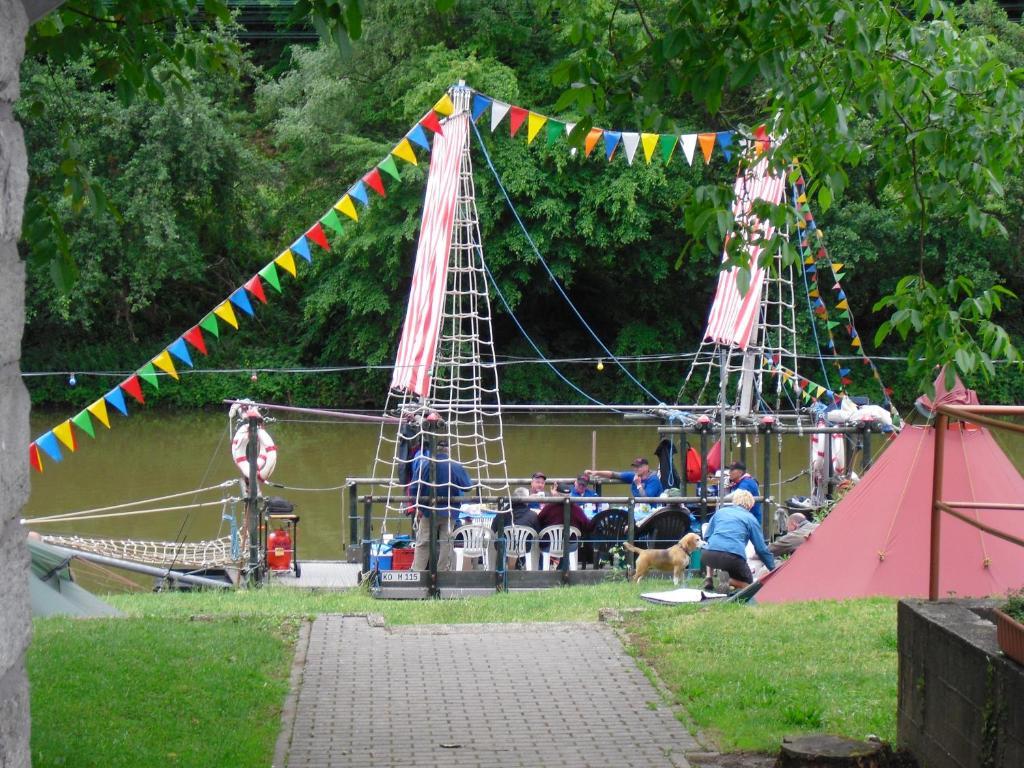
column 490, row 695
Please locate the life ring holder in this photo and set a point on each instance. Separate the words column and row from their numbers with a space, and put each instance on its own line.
column 266, row 460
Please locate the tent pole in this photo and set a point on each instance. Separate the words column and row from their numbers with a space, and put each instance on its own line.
column 941, row 426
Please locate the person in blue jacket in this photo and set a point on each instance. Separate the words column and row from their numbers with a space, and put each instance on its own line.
column 581, row 490
column 740, row 480
column 440, row 480
column 731, row 527
column 642, row 482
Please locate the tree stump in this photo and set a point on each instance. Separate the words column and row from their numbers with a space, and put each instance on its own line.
column 828, row 751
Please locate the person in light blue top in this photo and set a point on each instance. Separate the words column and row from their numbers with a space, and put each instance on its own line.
column 642, row 483
column 730, row 529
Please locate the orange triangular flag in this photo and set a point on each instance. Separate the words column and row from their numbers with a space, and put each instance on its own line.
column 444, row 106
column 591, row 141
column 99, row 410
column 227, row 314
column 707, row 143
column 164, row 363
column 346, row 206
column 403, row 151
column 65, row 435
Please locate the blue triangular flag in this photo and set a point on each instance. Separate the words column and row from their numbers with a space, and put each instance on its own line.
column 819, row 303
column 611, row 141
column 180, row 351
column 116, row 398
column 725, row 141
column 830, row 393
column 358, row 191
column 810, row 268
column 842, row 294
column 480, row 105
column 240, row 300
column 853, row 333
column 301, row 247
column 417, row 136
column 50, row 445
column 830, row 344
column 843, row 371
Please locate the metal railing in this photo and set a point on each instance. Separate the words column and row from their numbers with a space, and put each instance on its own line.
column 976, row 414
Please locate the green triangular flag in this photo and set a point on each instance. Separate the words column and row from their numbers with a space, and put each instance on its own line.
column 148, row 374
column 667, row 142
column 556, row 129
column 839, row 276
column 84, row 423
column 845, row 313
column 331, row 220
column 832, row 324
column 388, row 166
column 209, row 324
column 269, row 273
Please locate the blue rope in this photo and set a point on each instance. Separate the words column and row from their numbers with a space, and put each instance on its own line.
column 529, row 340
column 810, row 309
column 547, row 269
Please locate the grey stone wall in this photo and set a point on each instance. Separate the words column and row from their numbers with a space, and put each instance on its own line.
column 961, row 702
column 15, row 626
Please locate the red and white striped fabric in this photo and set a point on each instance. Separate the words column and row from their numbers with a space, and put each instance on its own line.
column 418, row 347
column 733, row 316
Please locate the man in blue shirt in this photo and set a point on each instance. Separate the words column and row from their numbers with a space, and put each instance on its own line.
column 730, row 529
column 739, row 480
column 444, row 480
column 641, row 480
column 581, row 490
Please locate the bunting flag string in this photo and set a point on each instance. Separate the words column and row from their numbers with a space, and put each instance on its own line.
column 803, row 387
column 612, row 140
column 813, row 254
column 49, row 444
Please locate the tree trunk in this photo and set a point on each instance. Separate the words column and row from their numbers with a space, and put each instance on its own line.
column 15, row 626
column 828, row 751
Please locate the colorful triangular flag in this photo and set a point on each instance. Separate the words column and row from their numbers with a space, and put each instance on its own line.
column 317, row 235
column 611, row 141
column 301, row 247
column 163, row 362
column 346, row 206
column 148, row 374
column 388, row 166
column 115, row 397
column 725, row 142
column 479, row 106
column 403, row 151
column 254, row 286
column 179, row 349
column 498, row 111
column 269, row 273
column 287, row 262
column 418, row 136
column 50, row 446
column 133, row 387
column 444, row 106
column 650, row 143
column 83, row 421
column 534, row 123
column 227, row 314
column 358, row 191
column 430, row 121
column 99, row 410
column 516, row 117
column 33, row 457
column 689, row 143
column 707, row 144
column 66, row 435
column 555, row 128
column 630, row 141
column 331, row 220
column 241, row 300
column 668, row 143
column 591, row 141
column 374, row 182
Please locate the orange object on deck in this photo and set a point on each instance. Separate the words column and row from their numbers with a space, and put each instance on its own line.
column 279, row 550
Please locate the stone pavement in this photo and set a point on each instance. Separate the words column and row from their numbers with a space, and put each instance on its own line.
column 485, row 695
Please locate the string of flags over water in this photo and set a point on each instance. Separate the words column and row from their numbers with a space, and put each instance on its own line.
column 244, row 300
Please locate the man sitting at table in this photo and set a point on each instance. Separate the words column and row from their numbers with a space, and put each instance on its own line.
column 581, row 490
column 553, row 513
column 537, row 483
column 642, row 483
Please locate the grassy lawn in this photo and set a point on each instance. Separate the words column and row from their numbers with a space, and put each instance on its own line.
column 164, row 686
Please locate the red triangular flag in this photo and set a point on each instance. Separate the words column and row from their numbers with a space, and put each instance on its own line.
column 33, row 457
column 316, row 234
column 374, row 182
column 516, row 117
column 132, row 387
column 431, row 122
column 195, row 338
column 255, row 287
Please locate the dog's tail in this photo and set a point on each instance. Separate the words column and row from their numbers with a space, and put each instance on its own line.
column 631, row 548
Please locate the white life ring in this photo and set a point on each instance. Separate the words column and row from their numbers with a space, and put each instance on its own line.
column 265, row 461
column 838, row 450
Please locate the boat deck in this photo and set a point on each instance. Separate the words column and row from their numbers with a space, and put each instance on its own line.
column 320, row 574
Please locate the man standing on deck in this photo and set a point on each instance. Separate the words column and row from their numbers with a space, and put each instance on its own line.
column 740, row 480
column 444, row 480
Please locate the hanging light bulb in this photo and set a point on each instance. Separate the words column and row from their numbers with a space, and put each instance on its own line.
column 600, row 365
column 254, row 377
column 72, row 380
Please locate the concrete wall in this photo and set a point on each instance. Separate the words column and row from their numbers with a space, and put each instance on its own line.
column 14, row 406
column 961, row 703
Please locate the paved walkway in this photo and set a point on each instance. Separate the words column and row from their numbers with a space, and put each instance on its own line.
column 487, row 696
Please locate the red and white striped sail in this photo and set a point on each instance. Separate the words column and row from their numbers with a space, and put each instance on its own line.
column 418, row 346
column 734, row 316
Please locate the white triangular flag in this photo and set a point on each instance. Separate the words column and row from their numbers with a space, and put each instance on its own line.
column 630, row 141
column 689, row 142
column 569, row 127
column 498, row 111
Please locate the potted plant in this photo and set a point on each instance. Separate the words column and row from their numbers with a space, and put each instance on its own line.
column 1010, row 626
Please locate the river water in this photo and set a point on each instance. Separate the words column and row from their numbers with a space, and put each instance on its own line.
column 157, row 454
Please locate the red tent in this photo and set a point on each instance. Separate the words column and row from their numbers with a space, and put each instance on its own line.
column 876, row 540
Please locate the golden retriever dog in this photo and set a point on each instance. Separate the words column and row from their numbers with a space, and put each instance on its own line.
column 674, row 559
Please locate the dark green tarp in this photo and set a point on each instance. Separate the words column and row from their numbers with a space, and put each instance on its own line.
column 52, row 589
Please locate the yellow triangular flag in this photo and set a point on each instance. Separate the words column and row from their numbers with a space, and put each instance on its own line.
column 802, row 199
column 99, row 410
column 227, row 314
column 63, row 433
column 649, row 141
column 837, row 267
column 533, row 125
column 164, row 363
column 813, row 294
column 444, row 106
column 403, row 151
column 787, row 375
column 854, row 343
column 820, row 391
column 286, row 262
column 346, row 206
column 844, row 304
column 801, row 224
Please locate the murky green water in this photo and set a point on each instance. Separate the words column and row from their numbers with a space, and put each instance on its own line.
column 152, row 455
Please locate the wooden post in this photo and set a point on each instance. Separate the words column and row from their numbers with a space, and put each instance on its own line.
column 941, row 425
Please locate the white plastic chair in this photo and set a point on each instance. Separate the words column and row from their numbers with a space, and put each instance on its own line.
column 519, row 542
column 553, row 535
column 476, row 542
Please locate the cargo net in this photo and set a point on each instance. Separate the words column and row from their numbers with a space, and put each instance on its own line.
column 214, row 553
column 462, row 406
column 722, row 373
